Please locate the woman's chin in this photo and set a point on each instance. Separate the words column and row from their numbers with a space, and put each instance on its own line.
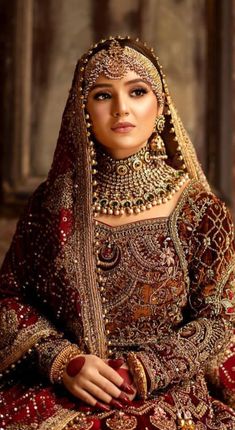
column 119, row 151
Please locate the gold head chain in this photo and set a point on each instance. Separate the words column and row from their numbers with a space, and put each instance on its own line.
column 115, row 62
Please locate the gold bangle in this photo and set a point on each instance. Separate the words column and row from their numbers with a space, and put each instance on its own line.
column 139, row 375
column 60, row 362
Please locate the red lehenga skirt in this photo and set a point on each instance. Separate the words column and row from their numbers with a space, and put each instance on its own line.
column 36, row 405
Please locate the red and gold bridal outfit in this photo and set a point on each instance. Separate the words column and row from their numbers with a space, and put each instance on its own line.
column 164, row 290
column 168, row 290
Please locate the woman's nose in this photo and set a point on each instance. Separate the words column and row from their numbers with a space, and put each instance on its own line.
column 120, row 107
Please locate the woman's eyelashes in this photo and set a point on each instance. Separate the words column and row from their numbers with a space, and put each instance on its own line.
column 138, row 92
column 102, row 95
column 134, row 92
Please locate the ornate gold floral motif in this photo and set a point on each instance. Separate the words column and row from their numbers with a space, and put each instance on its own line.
column 162, row 423
column 116, row 61
column 65, row 419
column 121, row 421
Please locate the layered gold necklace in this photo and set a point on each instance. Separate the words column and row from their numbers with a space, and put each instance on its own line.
column 134, row 184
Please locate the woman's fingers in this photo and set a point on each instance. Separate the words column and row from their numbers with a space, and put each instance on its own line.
column 113, row 376
column 101, row 395
column 107, row 386
column 88, row 398
column 93, row 380
column 102, row 406
column 126, row 388
column 83, row 395
column 97, row 392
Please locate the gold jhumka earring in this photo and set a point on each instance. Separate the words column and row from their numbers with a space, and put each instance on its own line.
column 157, row 145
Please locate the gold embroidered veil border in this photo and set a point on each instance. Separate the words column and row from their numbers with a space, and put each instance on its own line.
column 72, row 169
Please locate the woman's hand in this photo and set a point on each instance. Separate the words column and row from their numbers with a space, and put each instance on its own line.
column 96, row 383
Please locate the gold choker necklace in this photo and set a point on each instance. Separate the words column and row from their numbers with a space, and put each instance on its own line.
column 134, row 184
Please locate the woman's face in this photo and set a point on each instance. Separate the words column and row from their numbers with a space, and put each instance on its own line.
column 123, row 113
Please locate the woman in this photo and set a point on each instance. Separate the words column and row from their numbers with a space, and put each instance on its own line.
column 117, row 288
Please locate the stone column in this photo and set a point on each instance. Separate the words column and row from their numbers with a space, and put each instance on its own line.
column 68, row 31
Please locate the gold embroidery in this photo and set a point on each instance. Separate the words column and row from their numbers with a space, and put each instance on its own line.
column 121, row 421
column 55, row 200
column 161, row 422
column 21, row 426
column 174, row 230
column 25, row 340
column 8, row 327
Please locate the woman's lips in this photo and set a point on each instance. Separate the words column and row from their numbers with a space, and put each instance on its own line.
column 122, row 127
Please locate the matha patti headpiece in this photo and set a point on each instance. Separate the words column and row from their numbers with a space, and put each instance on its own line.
column 115, row 62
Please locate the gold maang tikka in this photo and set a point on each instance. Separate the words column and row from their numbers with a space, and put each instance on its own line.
column 115, row 62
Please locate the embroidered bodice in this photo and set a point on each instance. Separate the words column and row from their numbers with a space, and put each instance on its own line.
column 144, row 288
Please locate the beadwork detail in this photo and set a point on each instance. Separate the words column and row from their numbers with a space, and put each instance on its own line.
column 114, row 64
column 121, row 421
column 134, row 184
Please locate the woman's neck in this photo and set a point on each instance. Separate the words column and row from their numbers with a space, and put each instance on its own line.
column 134, row 184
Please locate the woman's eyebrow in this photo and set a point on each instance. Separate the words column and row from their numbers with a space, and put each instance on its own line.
column 105, row 85
column 134, row 81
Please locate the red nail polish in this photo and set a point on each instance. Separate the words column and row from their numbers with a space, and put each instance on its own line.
column 116, row 404
column 125, row 387
column 124, row 398
column 102, row 406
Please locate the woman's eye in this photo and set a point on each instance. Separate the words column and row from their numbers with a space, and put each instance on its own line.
column 102, row 96
column 138, row 92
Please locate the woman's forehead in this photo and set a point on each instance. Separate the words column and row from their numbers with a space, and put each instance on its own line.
column 129, row 77
column 115, row 63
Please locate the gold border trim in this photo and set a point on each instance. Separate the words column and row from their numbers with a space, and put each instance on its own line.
column 22, row 344
column 174, row 231
column 91, row 309
column 225, row 278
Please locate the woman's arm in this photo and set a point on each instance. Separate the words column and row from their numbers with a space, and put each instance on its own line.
column 210, row 311
column 25, row 327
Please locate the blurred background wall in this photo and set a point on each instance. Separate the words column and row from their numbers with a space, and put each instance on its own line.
column 40, row 43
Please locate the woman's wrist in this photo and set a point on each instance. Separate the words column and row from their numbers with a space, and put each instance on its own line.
column 61, row 361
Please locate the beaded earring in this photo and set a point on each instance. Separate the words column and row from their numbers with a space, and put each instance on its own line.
column 157, row 145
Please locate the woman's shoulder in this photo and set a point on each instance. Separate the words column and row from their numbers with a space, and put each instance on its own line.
column 197, row 192
column 198, row 203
